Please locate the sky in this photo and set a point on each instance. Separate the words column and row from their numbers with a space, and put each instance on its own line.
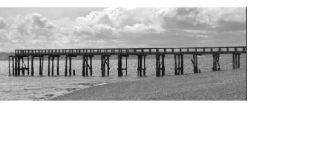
column 120, row 27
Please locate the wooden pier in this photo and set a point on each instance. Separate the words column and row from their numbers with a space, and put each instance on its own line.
column 22, row 62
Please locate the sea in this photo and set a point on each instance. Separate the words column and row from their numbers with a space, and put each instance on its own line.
column 45, row 88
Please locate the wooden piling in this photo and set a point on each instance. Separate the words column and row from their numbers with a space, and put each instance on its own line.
column 32, row 66
column 144, row 65
column 215, row 63
column 104, row 62
column 86, row 65
column 42, row 62
column 48, row 65
column 179, row 65
column 66, row 66
column 195, row 64
column 108, row 65
column 157, row 65
column 126, row 65
column 23, row 66
column 83, row 66
column 58, row 57
column 236, row 60
column 103, row 65
column 52, row 67
column 163, row 65
column 141, row 70
column 175, row 65
column 239, row 60
column 90, row 65
column 120, row 65
column 18, row 66
column 28, row 67
column 40, row 74
column 70, row 60
column 182, row 68
column 139, row 65
column 9, row 67
column 233, row 61
column 13, row 67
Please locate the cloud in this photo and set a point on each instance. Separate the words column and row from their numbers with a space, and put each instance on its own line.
column 203, row 18
column 32, row 31
column 129, row 27
column 40, row 21
column 115, row 22
column 2, row 23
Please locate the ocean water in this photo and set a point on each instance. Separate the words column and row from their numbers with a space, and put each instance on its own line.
column 42, row 88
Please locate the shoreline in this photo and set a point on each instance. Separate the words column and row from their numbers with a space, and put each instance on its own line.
column 219, row 85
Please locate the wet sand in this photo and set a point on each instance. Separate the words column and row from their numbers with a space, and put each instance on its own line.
column 220, row 85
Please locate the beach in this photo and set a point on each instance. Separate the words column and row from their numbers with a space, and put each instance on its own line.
column 219, row 85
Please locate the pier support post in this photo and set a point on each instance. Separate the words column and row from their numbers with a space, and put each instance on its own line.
column 83, row 65
column 90, row 65
column 108, row 65
column 175, row 65
column 178, row 64
column 13, row 67
column 157, row 65
column 236, row 60
column 52, row 67
column 103, row 66
column 28, row 67
column 120, row 65
column 66, row 66
column 181, row 66
column 70, row 63
column 105, row 61
column 86, row 65
column 144, row 65
column 216, row 64
column 42, row 62
column 17, row 66
column 32, row 67
column 195, row 63
column 163, row 65
column 141, row 70
column 126, row 65
column 9, row 66
column 139, row 66
column 49, row 65
column 22, row 67
column 40, row 74
column 58, row 57
column 160, row 67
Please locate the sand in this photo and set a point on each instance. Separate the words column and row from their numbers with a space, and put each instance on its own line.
column 220, row 85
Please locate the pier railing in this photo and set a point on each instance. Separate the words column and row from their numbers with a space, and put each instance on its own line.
column 133, row 51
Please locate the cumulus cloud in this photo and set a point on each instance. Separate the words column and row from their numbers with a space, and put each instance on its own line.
column 40, row 21
column 129, row 27
column 2, row 23
column 203, row 18
column 113, row 22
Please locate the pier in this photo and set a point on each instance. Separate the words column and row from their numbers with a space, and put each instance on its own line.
column 22, row 62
